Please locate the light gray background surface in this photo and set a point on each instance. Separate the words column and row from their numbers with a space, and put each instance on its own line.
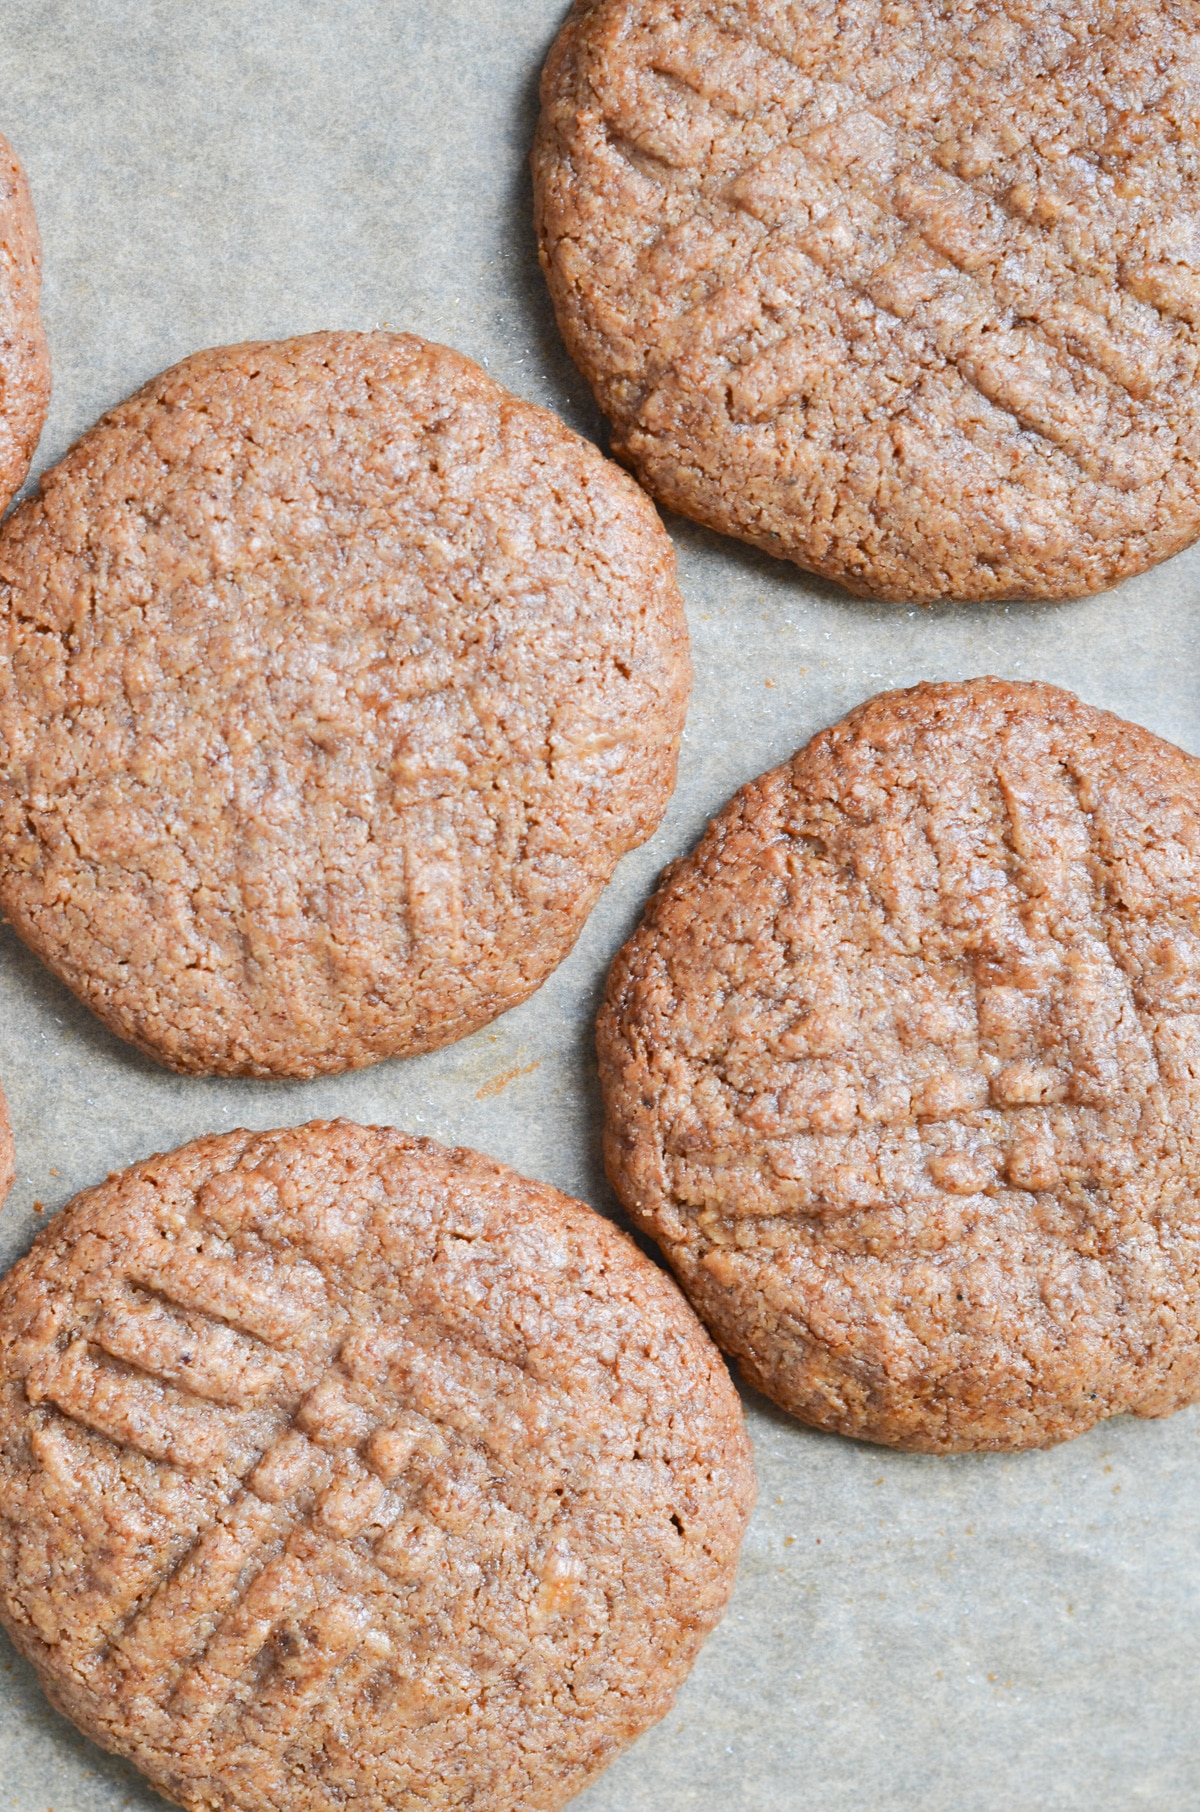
column 991, row 1634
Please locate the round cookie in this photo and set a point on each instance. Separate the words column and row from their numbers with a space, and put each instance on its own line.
column 336, row 682
column 24, row 356
column 902, row 1070
column 906, row 293
column 338, row 1468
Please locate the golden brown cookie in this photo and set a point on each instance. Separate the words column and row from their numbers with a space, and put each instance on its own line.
column 902, row 1070
column 24, row 356
column 336, row 682
column 906, row 293
column 340, row 1469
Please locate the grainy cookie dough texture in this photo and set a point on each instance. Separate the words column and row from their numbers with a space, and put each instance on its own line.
column 24, row 358
column 902, row 1069
column 337, row 1468
column 907, row 292
column 336, row 682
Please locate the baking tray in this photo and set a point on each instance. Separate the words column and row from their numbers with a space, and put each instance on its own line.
column 1001, row 1633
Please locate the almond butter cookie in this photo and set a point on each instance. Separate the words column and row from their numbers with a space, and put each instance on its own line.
column 340, row 1469
column 24, row 357
column 902, row 1070
column 336, row 682
column 906, row 292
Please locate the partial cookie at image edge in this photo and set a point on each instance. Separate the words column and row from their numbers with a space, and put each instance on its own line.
column 368, row 1430
column 24, row 354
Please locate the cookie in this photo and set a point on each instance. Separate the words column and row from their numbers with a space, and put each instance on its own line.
column 337, row 681
column 902, row 1070
column 905, row 293
column 24, row 356
column 338, row 1468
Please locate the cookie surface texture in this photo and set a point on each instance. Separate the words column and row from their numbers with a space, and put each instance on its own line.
column 24, row 357
column 905, row 293
column 337, row 1468
column 337, row 682
column 902, row 1069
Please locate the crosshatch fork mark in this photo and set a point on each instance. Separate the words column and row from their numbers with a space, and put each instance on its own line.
column 277, row 1304
column 190, row 1603
column 1071, row 359
column 1019, row 370
column 240, row 1580
column 206, row 1612
column 227, row 1595
column 355, row 1565
column 133, row 1412
column 217, row 1363
column 1084, row 1045
column 220, row 1603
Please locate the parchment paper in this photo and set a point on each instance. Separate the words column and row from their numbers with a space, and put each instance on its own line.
column 991, row 1634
